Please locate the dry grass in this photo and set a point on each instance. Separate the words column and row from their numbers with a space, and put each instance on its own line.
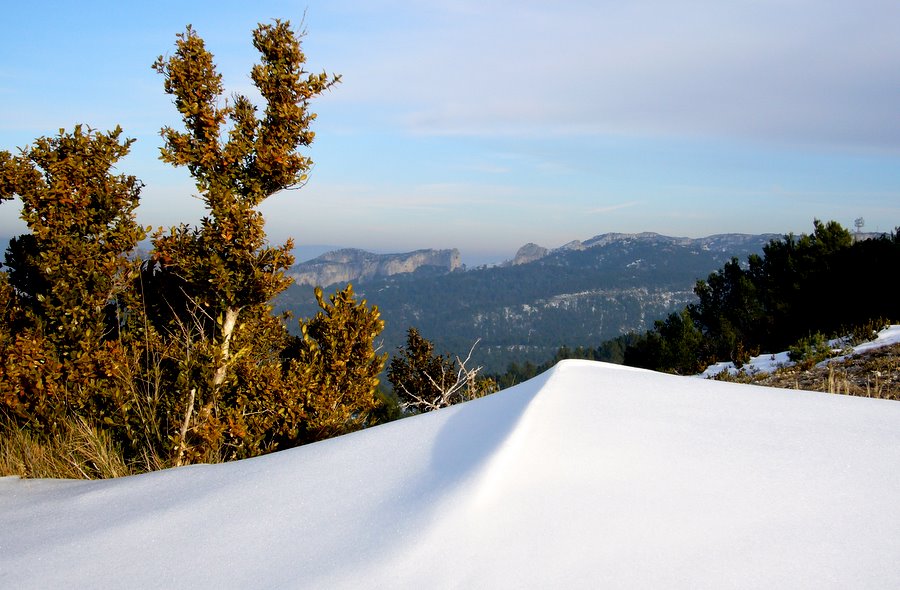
column 79, row 451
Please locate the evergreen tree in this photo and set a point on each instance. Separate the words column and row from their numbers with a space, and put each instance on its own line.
column 797, row 288
column 425, row 381
column 181, row 358
column 237, row 160
column 416, row 372
column 729, row 311
column 255, row 390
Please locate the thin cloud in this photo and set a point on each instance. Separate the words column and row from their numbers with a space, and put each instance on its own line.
column 611, row 208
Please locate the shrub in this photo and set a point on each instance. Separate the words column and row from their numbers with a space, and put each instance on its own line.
column 810, row 350
column 865, row 331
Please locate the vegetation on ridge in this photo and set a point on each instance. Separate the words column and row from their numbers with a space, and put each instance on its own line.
column 817, row 283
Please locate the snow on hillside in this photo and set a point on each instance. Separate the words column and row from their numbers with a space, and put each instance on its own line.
column 590, row 475
column 768, row 362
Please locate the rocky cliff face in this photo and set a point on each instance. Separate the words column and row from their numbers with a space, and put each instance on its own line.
column 350, row 265
column 529, row 253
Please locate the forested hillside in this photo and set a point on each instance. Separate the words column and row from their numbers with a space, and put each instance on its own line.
column 575, row 296
column 798, row 292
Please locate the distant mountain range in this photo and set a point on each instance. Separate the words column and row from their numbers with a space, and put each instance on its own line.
column 716, row 243
column 351, row 265
column 580, row 294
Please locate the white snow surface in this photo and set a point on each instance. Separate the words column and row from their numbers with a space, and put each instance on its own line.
column 768, row 362
column 589, row 476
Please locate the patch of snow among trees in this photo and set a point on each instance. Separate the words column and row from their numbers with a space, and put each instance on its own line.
column 768, row 362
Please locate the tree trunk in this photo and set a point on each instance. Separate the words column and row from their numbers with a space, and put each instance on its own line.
column 228, row 324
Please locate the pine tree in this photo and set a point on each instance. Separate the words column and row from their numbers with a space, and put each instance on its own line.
column 417, row 372
column 425, row 381
column 253, row 390
column 180, row 358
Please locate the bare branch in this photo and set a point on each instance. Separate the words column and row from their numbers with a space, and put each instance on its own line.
column 463, row 388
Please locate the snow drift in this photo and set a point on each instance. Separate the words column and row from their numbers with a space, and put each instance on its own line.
column 590, row 475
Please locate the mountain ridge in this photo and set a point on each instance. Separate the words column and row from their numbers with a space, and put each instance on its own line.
column 573, row 296
column 531, row 252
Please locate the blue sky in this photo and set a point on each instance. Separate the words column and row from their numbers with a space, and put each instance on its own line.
column 484, row 125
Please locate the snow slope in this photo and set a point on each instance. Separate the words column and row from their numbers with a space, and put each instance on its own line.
column 590, row 475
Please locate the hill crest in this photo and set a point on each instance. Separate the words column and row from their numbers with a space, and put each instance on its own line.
column 532, row 252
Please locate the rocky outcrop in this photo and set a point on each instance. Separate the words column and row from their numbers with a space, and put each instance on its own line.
column 350, row 265
column 529, row 253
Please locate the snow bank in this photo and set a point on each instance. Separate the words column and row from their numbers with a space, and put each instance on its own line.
column 768, row 363
column 590, row 475
column 887, row 337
